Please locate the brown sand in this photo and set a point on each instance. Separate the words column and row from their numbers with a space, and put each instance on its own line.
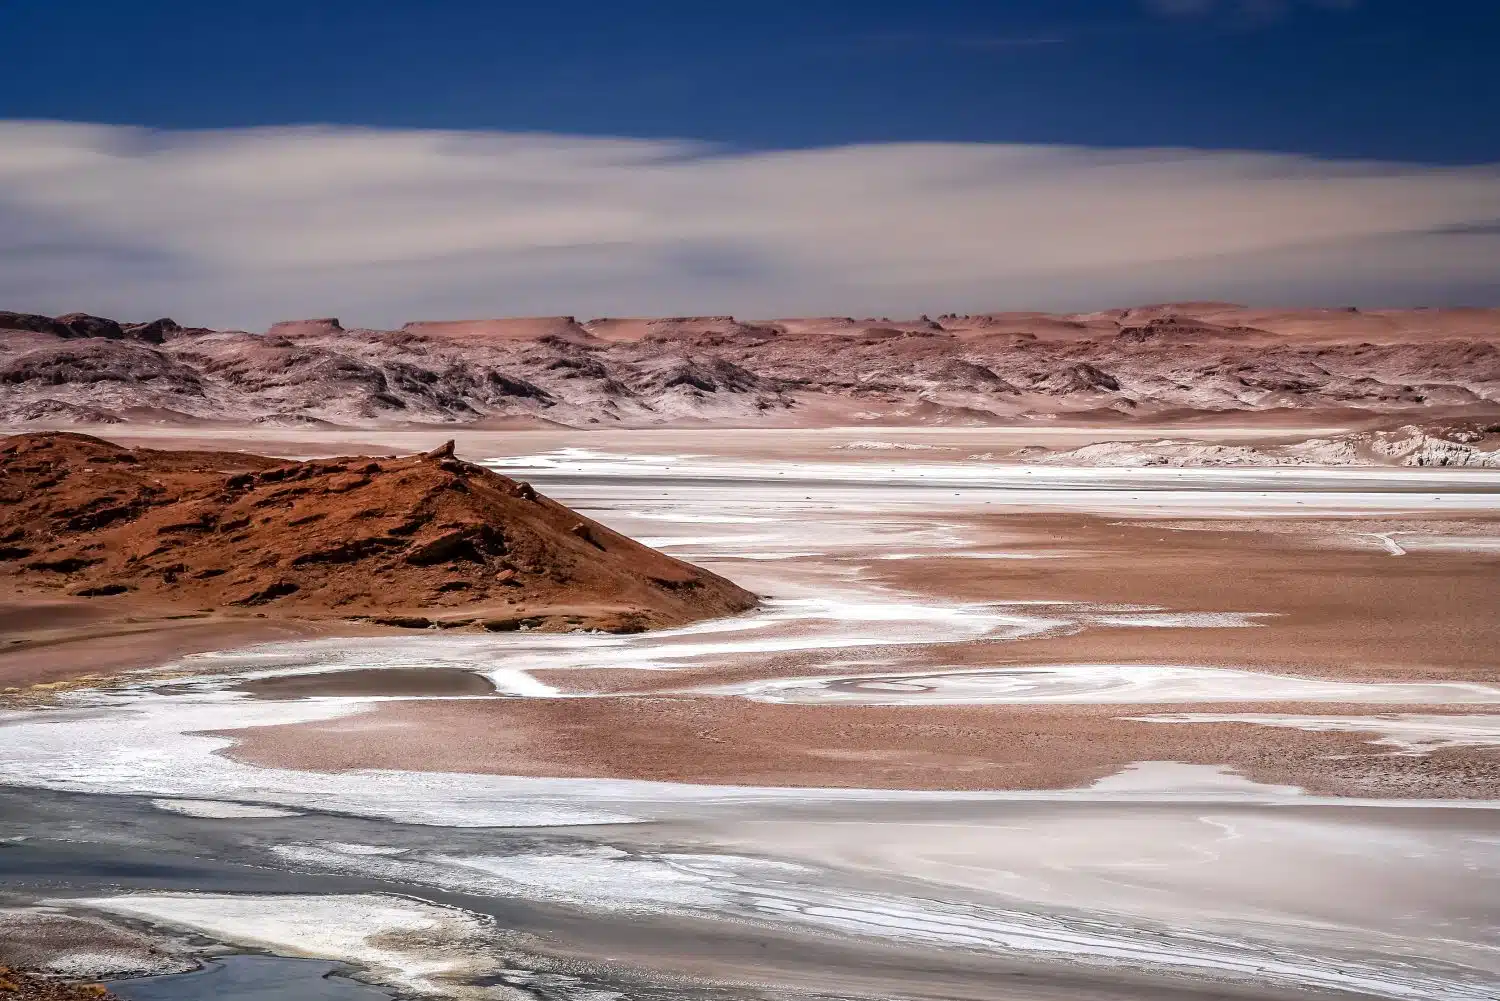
column 737, row 742
column 1347, row 614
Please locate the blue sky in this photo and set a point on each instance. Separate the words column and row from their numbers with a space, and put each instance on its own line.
column 1375, row 78
column 234, row 163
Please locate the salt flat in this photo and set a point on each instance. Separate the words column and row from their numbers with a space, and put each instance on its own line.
column 912, row 755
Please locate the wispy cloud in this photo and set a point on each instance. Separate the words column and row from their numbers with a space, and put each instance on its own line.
column 380, row 226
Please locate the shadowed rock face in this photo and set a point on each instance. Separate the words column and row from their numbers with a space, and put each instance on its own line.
column 352, row 536
column 93, row 361
column 85, row 325
column 1175, row 359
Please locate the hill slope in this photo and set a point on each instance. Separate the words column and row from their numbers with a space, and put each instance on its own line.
column 407, row 540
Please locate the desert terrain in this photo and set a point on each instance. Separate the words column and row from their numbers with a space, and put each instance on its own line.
column 1138, row 654
column 1180, row 362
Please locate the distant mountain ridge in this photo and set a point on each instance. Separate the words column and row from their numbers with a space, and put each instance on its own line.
column 1177, row 359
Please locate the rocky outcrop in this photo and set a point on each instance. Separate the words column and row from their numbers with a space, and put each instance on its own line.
column 349, row 536
column 1413, row 446
column 62, row 412
column 34, row 323
column 155, row 332
column 94, row 361
column 523, row 328
column 315, row 327
column 85, row 325
column 73, row 325
column 706, row 375
column 1083, row 378
column 957, row 373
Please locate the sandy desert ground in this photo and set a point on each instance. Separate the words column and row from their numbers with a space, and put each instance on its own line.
column 998, row 729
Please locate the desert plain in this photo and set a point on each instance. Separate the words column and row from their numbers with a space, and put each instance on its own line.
column 1137, row 654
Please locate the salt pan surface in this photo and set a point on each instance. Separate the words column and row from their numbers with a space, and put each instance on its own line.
column 761, row 891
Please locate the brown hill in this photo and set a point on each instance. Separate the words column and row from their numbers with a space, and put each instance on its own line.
column 409, row 541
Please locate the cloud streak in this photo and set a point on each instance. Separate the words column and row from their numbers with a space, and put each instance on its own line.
column 245, row 227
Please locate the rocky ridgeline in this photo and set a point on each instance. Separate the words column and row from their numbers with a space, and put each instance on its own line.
column 418, row 541
column 956, row 369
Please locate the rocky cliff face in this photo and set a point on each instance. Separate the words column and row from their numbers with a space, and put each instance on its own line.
column 412, row 541
column 1147, row 362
